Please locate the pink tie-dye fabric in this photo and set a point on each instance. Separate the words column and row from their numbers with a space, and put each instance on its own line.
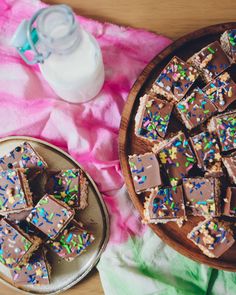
column 89, row 131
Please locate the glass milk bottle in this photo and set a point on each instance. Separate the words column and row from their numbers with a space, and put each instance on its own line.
column 69, row 57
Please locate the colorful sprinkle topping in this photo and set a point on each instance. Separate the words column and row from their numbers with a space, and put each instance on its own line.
column 155, row 117
column 177, row 158
column 221, row 91
column 201, row 195
column 145, row 171
column 50, row 216
column 195, row 109
column 65, row 186
column 225, row 126
column 35, row 272
column 213, row 237
column 207, row 151
column 13, row 245
column 176, row 78
column 167, row 203
column 23, row 156
column 12, row 191
column 72, row 242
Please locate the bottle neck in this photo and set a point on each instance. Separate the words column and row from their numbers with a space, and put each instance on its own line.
column 58, row 30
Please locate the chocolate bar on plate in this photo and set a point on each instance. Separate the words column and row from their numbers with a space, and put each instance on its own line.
column 195, row 109
column 145, row 171
column 175, row 79
column 152, row 118
column 221, row 91
column 228, row 43
column 15, row 195
column 164, row 205
column 213, row 237
column 230, row 165
column 23, row 156
column 207, row 152
column 72, row 241
column 202, row 196
column 230, row 202
column 35, row 272
column 16, row 246
column 176, row 156
column 69, row 186
column 224, row 126
column 211, row 61
column 51, row 216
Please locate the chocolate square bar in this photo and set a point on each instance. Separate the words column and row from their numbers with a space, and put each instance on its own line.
column 145, row 171
column 230, row 202
column 221, row 91
column 50, row 216
column 164, row 205
column 16, row 247
column 195, row 109
column 35, row 272
column 72, row 242
column 210, row 61
column 69, row 186
column 228, row 43
column 176, row 156
column 213, row 237
column 207, row 152
column 230, row 165
column 202, row 196
column 15, row 193
column 175, row 80
column 152, row 118
column 224, row 126
column 23, row 156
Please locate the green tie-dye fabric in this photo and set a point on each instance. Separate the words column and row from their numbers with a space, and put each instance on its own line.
column 147, row 266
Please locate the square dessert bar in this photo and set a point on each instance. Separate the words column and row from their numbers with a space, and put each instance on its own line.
column 224, row 126
column 221, row 91
column 164, row 205
column 176, row 156
column 213, row 237
column 195, row 109
column 72, row 242
column 210, row 61
column 35, row 272
column 207, row 152
column 228, row 43
column 15, row 193
column 16, row 247
column 202, row 196
column 230, row 165
column 145, row 171
column 22, row 156
column 51, row 216
column 69, row 186
column 175, row 80
column 230, row 202
column 152, row 118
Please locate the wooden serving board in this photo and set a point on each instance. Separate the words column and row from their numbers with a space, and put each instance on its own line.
column 130, row 144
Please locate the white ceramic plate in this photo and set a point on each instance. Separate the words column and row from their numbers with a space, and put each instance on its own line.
column 95, row 217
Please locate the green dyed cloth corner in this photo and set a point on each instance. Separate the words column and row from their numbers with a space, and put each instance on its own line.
column 147, row 266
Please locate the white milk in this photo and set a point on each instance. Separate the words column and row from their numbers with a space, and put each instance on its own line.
column 69, row 57
column 76, row 76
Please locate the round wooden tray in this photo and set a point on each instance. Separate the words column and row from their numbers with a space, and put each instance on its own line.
column 130, row 144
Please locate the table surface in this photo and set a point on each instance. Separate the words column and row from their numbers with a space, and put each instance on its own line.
column 172, row 18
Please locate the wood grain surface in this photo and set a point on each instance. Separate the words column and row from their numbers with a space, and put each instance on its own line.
column 172, row 18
